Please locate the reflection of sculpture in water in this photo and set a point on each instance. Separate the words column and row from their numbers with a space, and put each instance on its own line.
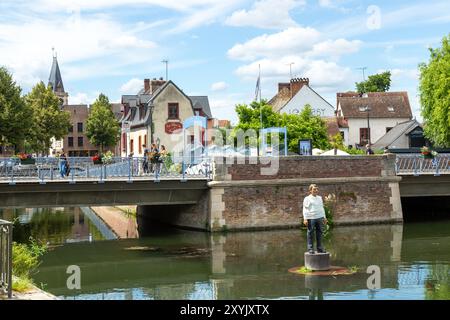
column 316, row 286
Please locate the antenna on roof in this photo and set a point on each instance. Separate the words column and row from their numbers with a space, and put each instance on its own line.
column 167, row 68
column 53, row 52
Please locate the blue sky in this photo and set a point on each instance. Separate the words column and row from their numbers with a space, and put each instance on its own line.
column 214, row 47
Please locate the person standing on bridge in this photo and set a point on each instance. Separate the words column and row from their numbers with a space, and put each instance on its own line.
column 145, row 163
column 314, row 218
column 62, row 164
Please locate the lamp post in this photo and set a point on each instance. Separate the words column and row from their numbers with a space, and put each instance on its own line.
column 151, row 108
column 368, row 124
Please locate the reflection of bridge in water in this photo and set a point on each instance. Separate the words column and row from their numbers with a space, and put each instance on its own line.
column 232, row 266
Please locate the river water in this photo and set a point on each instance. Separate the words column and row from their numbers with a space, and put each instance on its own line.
column 414, row 261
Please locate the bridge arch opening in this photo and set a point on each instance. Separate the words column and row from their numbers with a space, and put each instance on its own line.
column 418, row 209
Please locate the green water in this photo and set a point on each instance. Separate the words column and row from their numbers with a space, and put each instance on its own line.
column 414, row 261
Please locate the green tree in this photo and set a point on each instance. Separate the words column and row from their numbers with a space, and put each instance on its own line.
column 305, row 126
column 15, row 116
column 434, row 90
column 376, row 83
column 302, row 126
column 102, row 127
column 48, row 119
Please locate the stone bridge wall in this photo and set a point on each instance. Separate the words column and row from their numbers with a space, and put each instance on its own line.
column 242, row 196
column 366, row 190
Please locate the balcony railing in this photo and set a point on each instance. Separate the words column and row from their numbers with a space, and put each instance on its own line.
column 6, row 229
column 45, row 169
column 416, row 164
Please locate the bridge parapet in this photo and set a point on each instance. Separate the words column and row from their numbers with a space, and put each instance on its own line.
column 416, row 164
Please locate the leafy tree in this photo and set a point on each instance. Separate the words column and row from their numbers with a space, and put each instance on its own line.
column 15, row 116
column 305, row 126
column 376, row 83
column 434, row 89
column 302, row 126
column 48, row 119
column 102, row 127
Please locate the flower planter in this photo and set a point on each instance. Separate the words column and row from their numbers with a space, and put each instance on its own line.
column 98, row 161
column 427, row 156
column 28, row 161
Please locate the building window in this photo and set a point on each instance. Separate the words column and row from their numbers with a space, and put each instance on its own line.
column 140, row 145
column 197, row 112
column 342, row 135
column 173, row 111
column 71, row 129
column 388, row 129
column 131, row 146
column 70, row 141
column 145, row 139
column 363, row 136
column 391, row 109
column 80, row 126
column 80, row 141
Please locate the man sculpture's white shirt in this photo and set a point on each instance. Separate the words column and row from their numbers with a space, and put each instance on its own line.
column 313, row 207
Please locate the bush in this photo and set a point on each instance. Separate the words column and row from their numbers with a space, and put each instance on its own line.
column 25, row 260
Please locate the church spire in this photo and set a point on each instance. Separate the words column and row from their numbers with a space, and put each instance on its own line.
column 55, row 79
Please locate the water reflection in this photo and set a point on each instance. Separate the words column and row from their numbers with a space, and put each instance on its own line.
column 174, row 264
column 52, row 225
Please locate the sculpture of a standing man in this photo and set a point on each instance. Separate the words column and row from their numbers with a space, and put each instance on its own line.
column 314, row 218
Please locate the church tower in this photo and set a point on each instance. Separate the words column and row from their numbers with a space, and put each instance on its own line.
column 55, row 81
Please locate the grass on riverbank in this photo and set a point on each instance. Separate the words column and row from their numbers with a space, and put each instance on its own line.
column 25, row 262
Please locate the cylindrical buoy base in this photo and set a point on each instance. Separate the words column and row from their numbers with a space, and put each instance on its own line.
column 317, row 261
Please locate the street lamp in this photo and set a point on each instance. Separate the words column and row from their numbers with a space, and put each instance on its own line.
column 368, row 124
column 151, row 107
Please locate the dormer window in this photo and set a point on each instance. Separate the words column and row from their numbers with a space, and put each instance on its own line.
column 362, row 108
column 391, row 109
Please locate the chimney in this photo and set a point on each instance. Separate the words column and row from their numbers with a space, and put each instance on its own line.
column 146, row 85
column 155, row 84
column 283, row 85
column 297, row 84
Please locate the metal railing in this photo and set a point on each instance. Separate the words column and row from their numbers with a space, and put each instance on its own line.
column 6, row 229
column 416, row 164
column 45, row 169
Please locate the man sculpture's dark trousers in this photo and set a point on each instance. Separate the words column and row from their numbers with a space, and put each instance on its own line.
column 315, row 227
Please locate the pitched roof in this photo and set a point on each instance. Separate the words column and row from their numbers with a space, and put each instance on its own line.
column 332, row 126
column 382, row 105
column 55, row 79
column 201, row 102
column 280, row 99
column 396, row 132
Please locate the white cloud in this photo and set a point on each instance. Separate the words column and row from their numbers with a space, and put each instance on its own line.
column 307, row 41
column 219, row 86
column 132, row 86
column 335, row 48
column 288, row 41
column 83, row 98
column 325, row 3
column 305, row 51
column 25, row 47
column 321, row 73
column 266, row 14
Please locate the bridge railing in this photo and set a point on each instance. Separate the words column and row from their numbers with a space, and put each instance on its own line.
column 416, row 164
column 74, row 169
column 6, row 229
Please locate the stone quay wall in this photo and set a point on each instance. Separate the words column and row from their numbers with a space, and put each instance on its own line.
column 267, row 193
column 250, row 196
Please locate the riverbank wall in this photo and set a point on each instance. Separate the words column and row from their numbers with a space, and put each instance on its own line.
column 268, row 193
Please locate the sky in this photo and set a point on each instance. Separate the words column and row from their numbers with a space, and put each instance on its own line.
column 216, row 47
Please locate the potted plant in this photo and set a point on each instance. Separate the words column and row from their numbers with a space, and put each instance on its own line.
column 26, row 158
column 107, row 157
column 427, row 153
column 97, row 159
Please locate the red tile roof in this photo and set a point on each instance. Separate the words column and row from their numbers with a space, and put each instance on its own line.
column 382, row 105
